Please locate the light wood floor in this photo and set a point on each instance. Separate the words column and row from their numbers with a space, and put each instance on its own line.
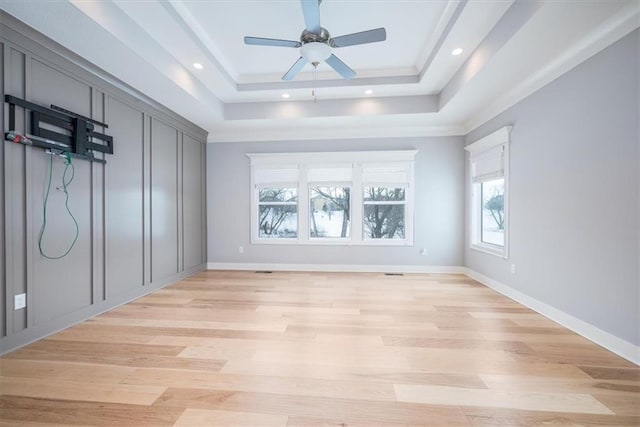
column 289, row 349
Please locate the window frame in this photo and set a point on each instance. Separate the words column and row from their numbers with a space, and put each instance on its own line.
column 258, row 203
column 342, row 184
column 356, row 160
column 385, row 203
column 499, row 138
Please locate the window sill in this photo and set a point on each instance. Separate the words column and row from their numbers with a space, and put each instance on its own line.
column 491, row 250
column 330, row 242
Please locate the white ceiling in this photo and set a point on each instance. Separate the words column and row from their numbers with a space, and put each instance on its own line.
column 511, row 48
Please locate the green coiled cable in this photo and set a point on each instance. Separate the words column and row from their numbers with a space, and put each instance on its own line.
column 68, row 164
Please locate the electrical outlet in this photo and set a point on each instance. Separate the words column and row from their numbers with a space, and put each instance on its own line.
column 19, row 301
column 240, row 249
column 423, row 252
column 513, row 269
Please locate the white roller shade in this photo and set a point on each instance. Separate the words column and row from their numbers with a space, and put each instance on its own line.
column 331, row 174
column 386, row 175
column 275, row 175
column 488, row 164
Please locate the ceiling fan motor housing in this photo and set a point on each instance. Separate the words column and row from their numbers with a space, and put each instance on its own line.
column 309, row 37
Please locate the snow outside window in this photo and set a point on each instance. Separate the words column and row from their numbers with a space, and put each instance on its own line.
column 330, row 212
column 278, row 213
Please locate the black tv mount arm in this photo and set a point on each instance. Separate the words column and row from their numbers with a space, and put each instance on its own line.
column 77, row 137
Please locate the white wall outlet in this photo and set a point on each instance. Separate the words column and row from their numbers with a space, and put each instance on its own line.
column 240, row 249
column 19, row 301
column 513, row 269
column 423, row 252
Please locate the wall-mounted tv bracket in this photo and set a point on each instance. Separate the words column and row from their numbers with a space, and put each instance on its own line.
column 76, row 136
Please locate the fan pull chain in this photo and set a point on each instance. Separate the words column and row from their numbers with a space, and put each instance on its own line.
column 313, row 91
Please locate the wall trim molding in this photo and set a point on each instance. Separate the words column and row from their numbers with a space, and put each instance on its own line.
column 617, row 345
column 337, row 268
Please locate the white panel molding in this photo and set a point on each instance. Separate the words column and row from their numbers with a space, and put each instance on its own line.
column 617, row 345
column 337, row 268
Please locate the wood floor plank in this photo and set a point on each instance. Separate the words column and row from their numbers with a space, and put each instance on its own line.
column 276, row 404
column 607, row 373
column 356, row 389
column 548, row 402
column 61, row 371
column 324, row 349
column 19, row 409
column 79, row 390
column 207, row 417
column 492, row 417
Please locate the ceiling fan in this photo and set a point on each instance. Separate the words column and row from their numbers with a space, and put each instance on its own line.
column 316, row 43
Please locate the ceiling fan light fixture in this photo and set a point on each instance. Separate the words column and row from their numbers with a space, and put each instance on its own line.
column 315, row 51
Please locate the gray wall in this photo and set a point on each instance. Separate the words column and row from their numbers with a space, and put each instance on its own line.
column 575, row 193
column 439, row 205
column 141, row 216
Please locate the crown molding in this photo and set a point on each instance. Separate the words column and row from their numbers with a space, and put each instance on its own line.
column 621, row 24
column 261, row 134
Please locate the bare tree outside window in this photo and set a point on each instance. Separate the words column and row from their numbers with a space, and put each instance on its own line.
column 384, row 213
column 492, row 217
column 330, row 211
column 277, row 213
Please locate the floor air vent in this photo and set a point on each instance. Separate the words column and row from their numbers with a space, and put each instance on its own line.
column 264, row 272
column 393, row 274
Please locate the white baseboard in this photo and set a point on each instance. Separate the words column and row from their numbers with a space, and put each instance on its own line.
column 346, row 268
column 612, row 343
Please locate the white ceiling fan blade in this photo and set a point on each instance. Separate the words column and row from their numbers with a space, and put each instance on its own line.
column 370, row 36
column 259, row 41
column 311, row 12
column 342, row 68
column 295, row 69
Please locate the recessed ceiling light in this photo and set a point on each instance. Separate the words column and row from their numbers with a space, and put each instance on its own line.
column 456, row 51
column 368, row 91
column 285, row 95
column 197, row 66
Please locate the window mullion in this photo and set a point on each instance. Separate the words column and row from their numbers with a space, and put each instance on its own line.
column 357, row 223
column 303, row 203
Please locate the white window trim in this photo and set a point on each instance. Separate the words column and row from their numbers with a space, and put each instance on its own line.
column 302, row 161
column 500, row 137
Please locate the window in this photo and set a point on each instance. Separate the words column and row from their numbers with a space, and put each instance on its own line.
column 488, row 161
column 275, row 201
column 333, row 198
column 277, row 213
column 330, row 210
column 384, row 213
column 492, row 217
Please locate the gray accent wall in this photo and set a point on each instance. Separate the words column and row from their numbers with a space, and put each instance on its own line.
column 141, row 216
column 575, row 193
column 439, row 206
